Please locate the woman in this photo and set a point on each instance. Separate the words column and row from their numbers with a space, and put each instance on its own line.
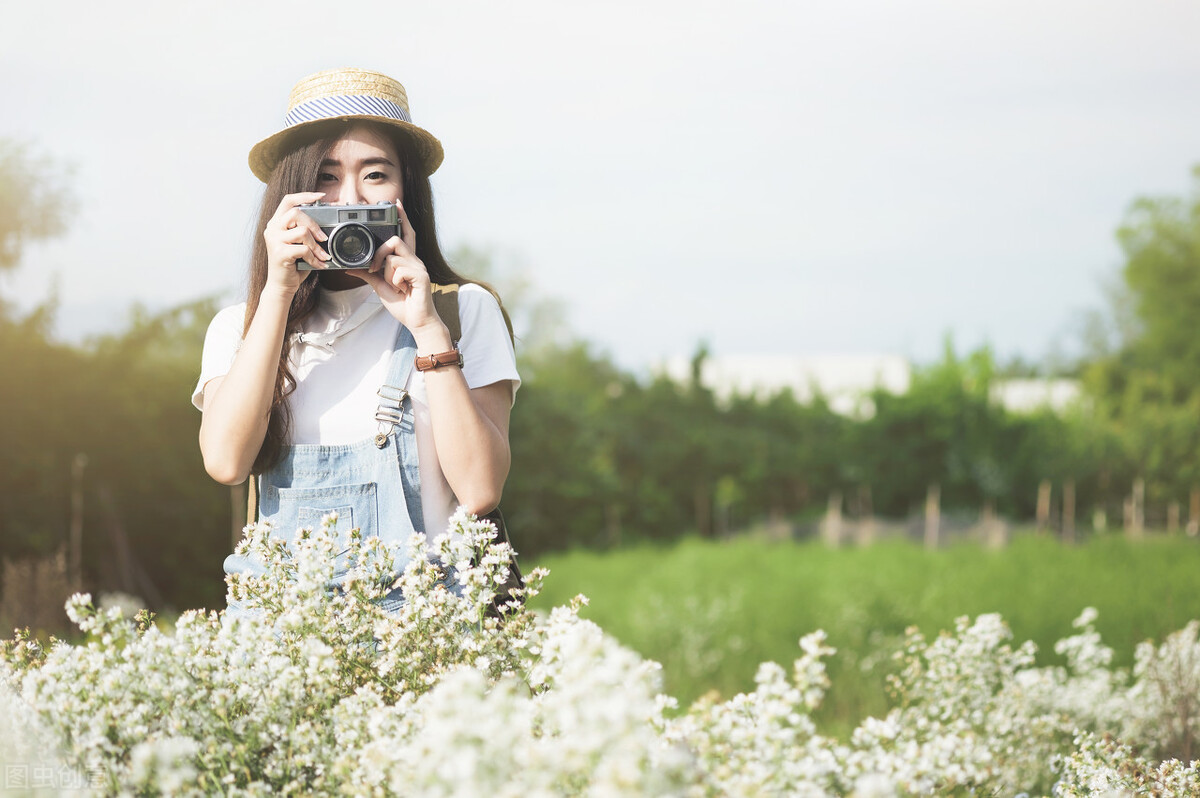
column 342, row 389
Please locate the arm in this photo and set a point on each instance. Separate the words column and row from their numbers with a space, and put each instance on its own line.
column 470, row 431
column 470, row 426
column 237, row 406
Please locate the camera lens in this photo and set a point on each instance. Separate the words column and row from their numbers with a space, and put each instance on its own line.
column 351, row 245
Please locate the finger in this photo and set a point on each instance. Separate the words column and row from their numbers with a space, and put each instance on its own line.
column 294, row 253
column 384, row 251
column 396, row 247
column 290, row 201
column 289, row 245
column 403, row 272
column 297, row 218
column 305, row 237
column 393, row 275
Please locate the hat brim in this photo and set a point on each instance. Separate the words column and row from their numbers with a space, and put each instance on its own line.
column 425, row 150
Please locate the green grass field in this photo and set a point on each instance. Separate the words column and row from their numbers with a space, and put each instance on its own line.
column 710, row 611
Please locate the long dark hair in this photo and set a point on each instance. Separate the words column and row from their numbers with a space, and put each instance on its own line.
column 297, row 171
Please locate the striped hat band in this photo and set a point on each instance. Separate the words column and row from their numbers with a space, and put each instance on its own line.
column 345, row 105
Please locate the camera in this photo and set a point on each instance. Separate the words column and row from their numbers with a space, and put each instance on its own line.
column 355, row 232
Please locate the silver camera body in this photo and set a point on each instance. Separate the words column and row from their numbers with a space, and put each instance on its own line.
column 355, row 232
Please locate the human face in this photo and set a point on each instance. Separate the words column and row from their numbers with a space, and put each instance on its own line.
column 362, row 167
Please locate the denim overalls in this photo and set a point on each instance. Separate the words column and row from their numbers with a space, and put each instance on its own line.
column 374, row 484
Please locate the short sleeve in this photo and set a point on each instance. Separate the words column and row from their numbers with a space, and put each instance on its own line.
column 221, row 343
column 486, row 346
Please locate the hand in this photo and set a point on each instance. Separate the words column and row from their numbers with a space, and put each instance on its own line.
column 292, row 235
column 403, row 285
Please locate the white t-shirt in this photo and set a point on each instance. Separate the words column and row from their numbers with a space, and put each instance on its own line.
column 341, row 358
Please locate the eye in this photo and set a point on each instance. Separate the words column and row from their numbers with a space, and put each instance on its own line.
column 325, row 177
column 377, row 175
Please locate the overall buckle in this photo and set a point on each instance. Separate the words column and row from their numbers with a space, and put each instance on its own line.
column 389, row 413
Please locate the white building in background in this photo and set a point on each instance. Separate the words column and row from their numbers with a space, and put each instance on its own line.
column 1027, row 395
column 844, row 380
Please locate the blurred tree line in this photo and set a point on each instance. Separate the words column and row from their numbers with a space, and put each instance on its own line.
column 600, row 457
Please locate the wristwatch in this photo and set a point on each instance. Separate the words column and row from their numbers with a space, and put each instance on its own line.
column 451, row 358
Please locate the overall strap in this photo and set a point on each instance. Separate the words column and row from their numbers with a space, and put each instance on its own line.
column 392, row 393
column 394, row 427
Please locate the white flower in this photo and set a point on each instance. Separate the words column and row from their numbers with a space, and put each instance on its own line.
column 319, row 691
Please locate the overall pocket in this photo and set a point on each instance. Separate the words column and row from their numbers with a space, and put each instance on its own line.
column 356, row 506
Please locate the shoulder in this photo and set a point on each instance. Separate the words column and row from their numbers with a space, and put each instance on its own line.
column 473, row 292
column 221, row 343
column 486, row 344
column 231, row 318
column 224, row 335
column 477, row 304
column 476, row 298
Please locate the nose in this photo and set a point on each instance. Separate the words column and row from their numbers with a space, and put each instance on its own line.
column 346, row 193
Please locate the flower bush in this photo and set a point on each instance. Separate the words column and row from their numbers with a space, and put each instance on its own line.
column 464, row 691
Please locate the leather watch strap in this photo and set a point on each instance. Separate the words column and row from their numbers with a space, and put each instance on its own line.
column 451, row 358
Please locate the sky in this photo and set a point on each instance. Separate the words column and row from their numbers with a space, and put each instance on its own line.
column 767, row 177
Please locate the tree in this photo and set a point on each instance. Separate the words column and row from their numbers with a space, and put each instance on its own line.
column 1161, row 240
column 32, row 199
column 563, row 488
column 31, row 207
column 1147, row 384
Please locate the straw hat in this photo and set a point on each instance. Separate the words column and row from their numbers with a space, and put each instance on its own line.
column 342, row 95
